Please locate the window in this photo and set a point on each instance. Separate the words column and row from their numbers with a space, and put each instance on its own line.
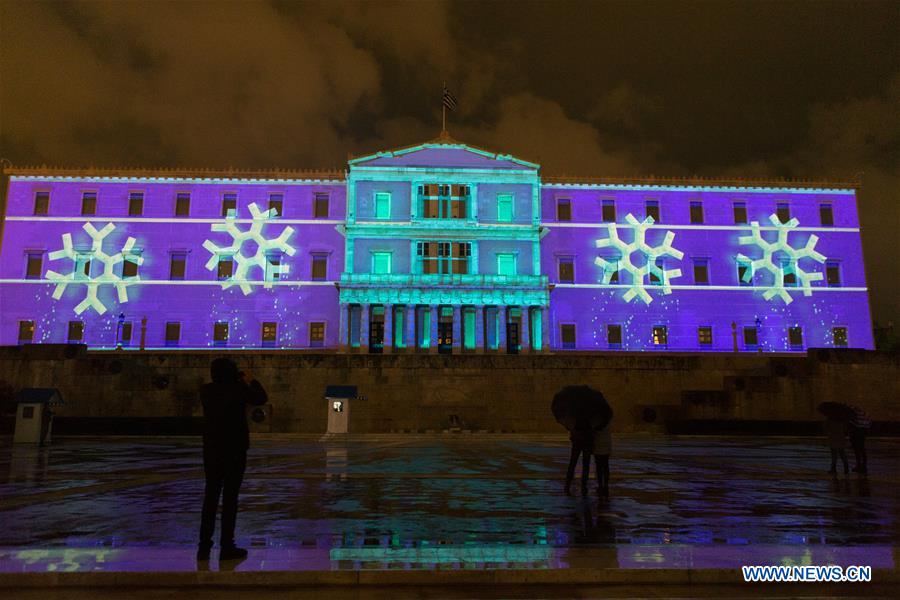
column 382, row 205
column 130, row 264
column 125, row 333
column 33, row 265
column 751, row 339
column 657, row 276
column 182, row 205
column 276, row 204
column 41, row 203
column 696, row 212
column 704, row 335
column 839, row 336
column 220, row 333
column 317, row 334
column 135, row 204
column 506, row 264
column 614, row 336
column 443, row 201
column 269, row 333
column 651, row 209
column 744, row 272
column 789, row 275
column 89, row 203
column 320, row 206
column 701, row 271
column 381, row 263
column 444, row 257
column 783, row 212
column 83, row 266
column 26, row 332
column 567, row 335
column 563, row 209
column 833, row 274
column 740, row 213
column 505, row 208
column 660, row 335
column 229, row 205
column 795, row 337
column 173, row 333
column 608, row 211
column 826, row 216
column 226, row 267
column 319, row 267
column 273, row 267
column 76, row 331
column 566, row 270
column 177, row 263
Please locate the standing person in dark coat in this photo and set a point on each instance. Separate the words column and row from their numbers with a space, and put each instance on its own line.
column 226, row 438
column 858, row 427
column 582, row 438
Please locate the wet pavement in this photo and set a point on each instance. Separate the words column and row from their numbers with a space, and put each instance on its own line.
column 449, row 502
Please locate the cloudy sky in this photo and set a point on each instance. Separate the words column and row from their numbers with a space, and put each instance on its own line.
column 804, row 90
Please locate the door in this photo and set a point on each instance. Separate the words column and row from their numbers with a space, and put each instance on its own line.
column 512, row 337
column 445, row 330
column 376, row 331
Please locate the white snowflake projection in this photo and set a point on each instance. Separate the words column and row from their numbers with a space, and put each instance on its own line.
column 82, row 263
column 638, row 287
column 264, row 248
column 790, row 266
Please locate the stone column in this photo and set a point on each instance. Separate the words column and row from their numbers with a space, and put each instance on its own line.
column 545, row 329
column 501, row 329
column 344, row 328
column 388, row 328
column 433, row 328
column 457, row 329
column 524, row 333
column 364, row 328
column 480, row 339
column 409, row 328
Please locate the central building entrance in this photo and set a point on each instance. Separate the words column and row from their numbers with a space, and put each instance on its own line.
column 445, row 330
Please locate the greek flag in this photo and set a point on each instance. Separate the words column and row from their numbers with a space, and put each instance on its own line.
column 449, row 99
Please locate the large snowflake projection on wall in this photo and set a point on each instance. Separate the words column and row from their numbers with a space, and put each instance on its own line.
column 789, row 266
column 639, row 272
column 83, row 263
column 265, row 248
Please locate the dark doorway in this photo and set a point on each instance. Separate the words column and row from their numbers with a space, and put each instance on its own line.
column 445, row 330
column 512, row 337
column 376, row 330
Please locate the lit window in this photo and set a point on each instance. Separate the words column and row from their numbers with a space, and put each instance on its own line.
column 229, row 205
column 177, row 264
column 320, row 207
column 833, row 274
column 839, row 335
column 504, row 208
column 567, row 335
column 795, row 337
column 506, row 264
column 269, row 333
column 783, row 212
column 319, row 267
column 382, row 205
column 701, row 271
column 316, row 334
column 826, row 215
column 41, row 203
column 651, row 209
column 704, row 335
column 135, row 204
column 696, row 212
column 182, row 205
column 444, row 257
column 76, row 331
column 173, row 333
column 744, row 272
column 608, row 211
column 740, row 213
column 220, row 333
column 566, row 270
column 226, row 267
column 89, row 203
column 26, row 332
column 276, row 204
column 443, row 201
column 660, row 335
column 751, row 337
column 614, row 336
column 789, row 274
column 33, row 265
column 563, row 209
column 381, row 263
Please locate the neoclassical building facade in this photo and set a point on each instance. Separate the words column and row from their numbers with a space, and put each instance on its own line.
column 440, row 247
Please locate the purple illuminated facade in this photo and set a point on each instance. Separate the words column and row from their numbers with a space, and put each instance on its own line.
column 440, row 248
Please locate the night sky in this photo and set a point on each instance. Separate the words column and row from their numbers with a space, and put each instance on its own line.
column 805, row 90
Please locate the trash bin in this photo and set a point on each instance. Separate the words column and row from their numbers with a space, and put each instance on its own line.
column 338, row 398
column 34, row 415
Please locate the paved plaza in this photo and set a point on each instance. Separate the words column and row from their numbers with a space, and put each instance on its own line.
column 449, row 502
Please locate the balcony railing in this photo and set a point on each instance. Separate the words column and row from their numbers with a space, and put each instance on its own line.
column 419, row 280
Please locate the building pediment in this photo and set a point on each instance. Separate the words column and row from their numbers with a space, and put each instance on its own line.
column 443, row 153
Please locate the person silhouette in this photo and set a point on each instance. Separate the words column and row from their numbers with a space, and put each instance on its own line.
column 226, row 438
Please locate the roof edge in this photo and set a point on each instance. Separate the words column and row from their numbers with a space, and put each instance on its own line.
column 695, row 181
column 180, row 173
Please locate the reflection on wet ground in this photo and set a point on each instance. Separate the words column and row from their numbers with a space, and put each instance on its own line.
column 457, row 502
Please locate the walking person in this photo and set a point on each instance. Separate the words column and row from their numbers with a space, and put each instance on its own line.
column 584, row 411
column 602, row 449
column 582, row 440
column 226, row 438
column 858, row 428
column 836, row 435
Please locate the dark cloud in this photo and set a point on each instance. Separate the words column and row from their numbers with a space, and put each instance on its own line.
column 797, row 89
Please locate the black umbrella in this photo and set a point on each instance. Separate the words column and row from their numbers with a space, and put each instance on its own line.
column 581, row 407
column 837, row 410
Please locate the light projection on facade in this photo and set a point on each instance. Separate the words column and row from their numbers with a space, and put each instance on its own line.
column 268, row 251
column 640, row 274
column 788, row 266
column 83, row 267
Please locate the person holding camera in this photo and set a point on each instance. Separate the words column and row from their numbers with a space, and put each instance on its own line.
column 226, row 438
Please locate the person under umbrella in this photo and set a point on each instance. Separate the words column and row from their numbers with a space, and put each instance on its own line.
column 583, row 411
column 837, row 416
column 858, row 427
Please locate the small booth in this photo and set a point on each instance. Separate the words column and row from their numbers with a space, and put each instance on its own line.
column 338, row 398
column 34, row 417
